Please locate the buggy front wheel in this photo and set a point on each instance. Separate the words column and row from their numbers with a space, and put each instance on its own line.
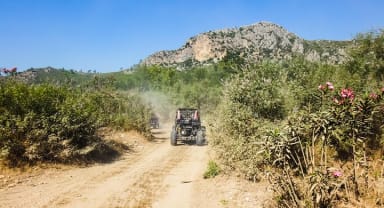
column 173, row 138
column 200, row 138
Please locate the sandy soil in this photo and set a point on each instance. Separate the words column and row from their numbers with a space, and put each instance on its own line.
column 154, row 174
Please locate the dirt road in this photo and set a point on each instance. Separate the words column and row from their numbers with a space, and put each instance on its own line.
column 156, row 174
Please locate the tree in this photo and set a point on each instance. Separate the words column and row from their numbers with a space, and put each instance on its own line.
column 366, row 57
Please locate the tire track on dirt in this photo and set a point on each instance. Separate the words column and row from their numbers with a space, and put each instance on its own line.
column 149, row 185
column 53, row 189
column 134, row 187
column 96, row 176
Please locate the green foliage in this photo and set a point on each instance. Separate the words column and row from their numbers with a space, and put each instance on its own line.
column 232, row 61
column 300, row 77
column 55, row 76
column 276, row 119
column 197, row 87
column 251, row 102
column 212, row 170
column 367, row 57
column 51, row 123
column 258, row 90
column 344, row 128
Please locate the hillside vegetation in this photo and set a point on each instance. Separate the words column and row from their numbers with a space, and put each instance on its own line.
column 314, row 130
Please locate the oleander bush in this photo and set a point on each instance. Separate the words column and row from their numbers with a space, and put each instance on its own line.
column 322, row 158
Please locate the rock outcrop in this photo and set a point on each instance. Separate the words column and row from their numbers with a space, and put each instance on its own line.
column 253, row 43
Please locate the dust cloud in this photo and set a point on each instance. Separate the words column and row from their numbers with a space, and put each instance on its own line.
column 161, row 104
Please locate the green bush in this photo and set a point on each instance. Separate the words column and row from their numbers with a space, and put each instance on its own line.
column 251, row 103
column 212, row 170
column 51, row 123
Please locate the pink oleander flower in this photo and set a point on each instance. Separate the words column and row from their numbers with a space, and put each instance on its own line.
column 329, row 85
column 343, row 93
column 337, row 173
column 347, row 93
column 373, row 96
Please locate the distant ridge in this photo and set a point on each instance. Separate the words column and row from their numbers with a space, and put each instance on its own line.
column 255, row 42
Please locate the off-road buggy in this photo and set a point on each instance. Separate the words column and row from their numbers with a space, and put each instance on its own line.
column 154, row 122
column 188, row 128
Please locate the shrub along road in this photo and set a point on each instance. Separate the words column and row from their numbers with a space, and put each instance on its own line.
column 155, row 174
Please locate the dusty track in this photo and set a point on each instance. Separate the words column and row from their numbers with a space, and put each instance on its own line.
column 155, row 175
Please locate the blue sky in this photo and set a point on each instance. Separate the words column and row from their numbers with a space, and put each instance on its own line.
column 107, row 35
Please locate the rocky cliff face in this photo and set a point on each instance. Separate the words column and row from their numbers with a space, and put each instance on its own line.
column 254, row 42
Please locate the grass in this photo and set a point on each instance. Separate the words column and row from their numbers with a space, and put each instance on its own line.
column 212, row 170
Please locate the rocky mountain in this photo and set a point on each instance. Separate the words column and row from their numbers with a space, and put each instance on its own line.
column 253, row 43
